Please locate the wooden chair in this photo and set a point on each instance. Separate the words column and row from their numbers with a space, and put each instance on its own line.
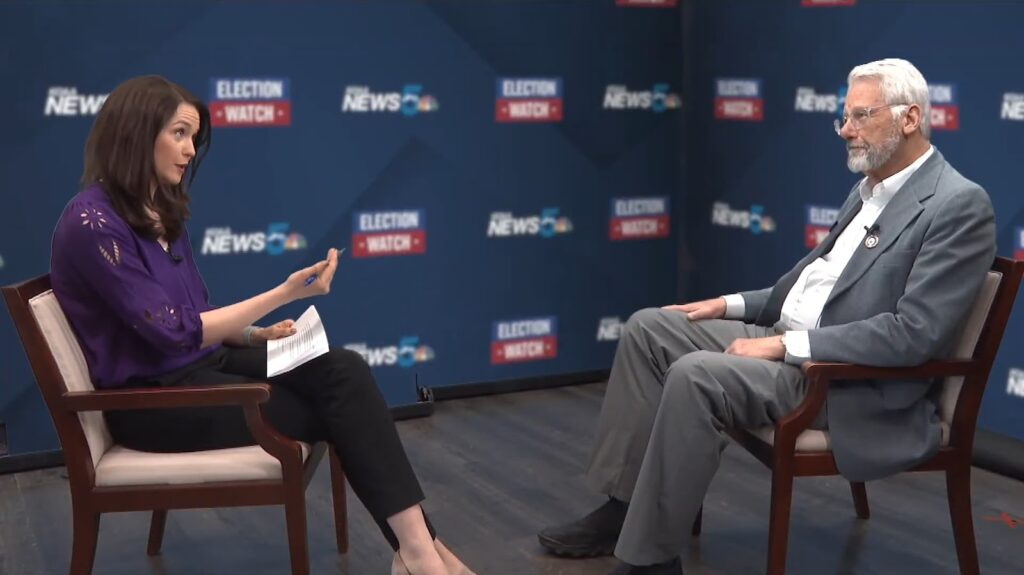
column 791, row 450
column 106, row 477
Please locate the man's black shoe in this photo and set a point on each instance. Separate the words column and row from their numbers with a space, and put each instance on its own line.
column 673, row 567
column 594, row 535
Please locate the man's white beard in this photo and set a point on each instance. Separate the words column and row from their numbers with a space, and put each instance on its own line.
column 874, row 157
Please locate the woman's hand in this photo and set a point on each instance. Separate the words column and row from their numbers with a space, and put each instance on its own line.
column 322, row 272
column 262, row 335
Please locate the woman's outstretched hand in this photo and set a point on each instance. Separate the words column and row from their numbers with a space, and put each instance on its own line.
column 314, row 280
column 280, row 329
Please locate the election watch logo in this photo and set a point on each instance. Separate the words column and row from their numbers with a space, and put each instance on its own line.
column 738, row 99
column 548, row 224
column 250, row 102
column 820, row 220
column 945, row 111
column 523, row 340
column 388, row 233
column 656, row 99
column 528, row 100
column 275, row 241
column 410, row 101
column 639, row 218
column 407, row 353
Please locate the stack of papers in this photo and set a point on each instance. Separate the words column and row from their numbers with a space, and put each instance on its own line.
column 309, row 341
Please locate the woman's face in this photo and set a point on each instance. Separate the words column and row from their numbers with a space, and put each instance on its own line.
column 173, row 149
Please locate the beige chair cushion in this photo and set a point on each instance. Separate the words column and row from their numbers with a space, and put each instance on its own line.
column 970, row 332
column 116, row 465
column 71, row 363
column 120, row 466
column 812, row 440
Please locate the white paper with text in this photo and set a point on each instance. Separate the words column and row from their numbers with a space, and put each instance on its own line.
column 308, row 342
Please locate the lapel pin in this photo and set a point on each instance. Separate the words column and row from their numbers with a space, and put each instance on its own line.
column 871, row 240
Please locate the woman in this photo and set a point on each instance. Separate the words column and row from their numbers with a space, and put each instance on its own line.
column 123, row 272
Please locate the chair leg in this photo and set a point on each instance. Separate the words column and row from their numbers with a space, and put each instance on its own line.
column 958, row 491
column 85, row 530
column 860, row 499
column 156, row 531
column 697, row 522
column 339, row 497
column 295, row 517
column 778, row 522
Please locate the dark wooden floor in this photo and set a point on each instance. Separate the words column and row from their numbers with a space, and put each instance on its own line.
column 496, row 469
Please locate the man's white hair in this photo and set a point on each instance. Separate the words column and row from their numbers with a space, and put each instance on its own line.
column 901, row 83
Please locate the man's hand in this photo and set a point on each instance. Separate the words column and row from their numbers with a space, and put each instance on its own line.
column 761, row 348
column 706, row 309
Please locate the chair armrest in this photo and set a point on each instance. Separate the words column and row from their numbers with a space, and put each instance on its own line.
column 166, row 397
column 247, row 395
column 820, row 371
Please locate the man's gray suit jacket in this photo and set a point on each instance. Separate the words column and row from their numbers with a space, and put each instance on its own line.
column 898, row 304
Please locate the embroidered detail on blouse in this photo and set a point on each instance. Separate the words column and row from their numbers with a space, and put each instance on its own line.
column 93, row 218
column 167, row 317
column 114, row 255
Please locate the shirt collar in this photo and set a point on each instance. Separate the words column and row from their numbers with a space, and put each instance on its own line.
column 888, row 187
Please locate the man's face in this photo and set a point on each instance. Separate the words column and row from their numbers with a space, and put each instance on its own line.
column 871, row 134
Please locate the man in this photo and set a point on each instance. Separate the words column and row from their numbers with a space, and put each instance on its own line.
column 888, row 286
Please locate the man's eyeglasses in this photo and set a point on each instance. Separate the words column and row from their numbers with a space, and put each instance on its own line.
column 859, row 116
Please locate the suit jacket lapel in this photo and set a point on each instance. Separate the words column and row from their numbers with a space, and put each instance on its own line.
column 901, row 211
column 830, row 240
column 773, row 308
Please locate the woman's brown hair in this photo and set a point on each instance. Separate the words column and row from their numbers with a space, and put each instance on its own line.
column 119, row 154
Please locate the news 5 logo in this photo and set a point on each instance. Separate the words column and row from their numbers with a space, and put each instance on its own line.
column 275, row 241
column 388, row 233
column 738, row 99
column 407, row 353
column 411, row 101
column 1015, row 382
column 609, row 328
column 548, row 224
column 250, row 102
column 66, row 101
column 657, row 99
column 1013, row 107
column 753, row 219
column 809, row 100
column 522, row 340
column 528, row 100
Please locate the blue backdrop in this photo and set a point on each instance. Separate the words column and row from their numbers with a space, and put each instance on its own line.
column 536, row 170
column 514, row 160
